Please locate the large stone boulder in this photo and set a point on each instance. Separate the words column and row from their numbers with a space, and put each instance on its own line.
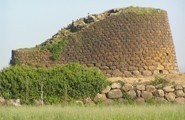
column 150, row 88
column 132, row 94
column 170, row 96
column 106, row 90
column 140, row 87
column 115, row 93
column 127, row 87
column 116, row 85
column 169, row 88
column 179, row 100
column 146, row 95
column 159, row 93
column 99, row 98
column 179, row 93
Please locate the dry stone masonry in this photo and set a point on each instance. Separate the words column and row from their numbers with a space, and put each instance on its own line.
column 127, row 42
column 141, row 93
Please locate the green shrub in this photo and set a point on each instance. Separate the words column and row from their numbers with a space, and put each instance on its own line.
column 62, row 83
column 56, row 48
column 159, row 80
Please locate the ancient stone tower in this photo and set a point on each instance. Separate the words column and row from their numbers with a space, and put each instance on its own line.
column 124, row 42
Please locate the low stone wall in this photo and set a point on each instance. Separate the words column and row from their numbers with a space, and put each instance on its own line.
column 141, row 93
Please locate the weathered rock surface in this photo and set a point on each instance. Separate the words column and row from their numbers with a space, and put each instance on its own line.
column 150, row 88
column 140, row 87
column 106, row 90
column 179, row 93
column 116, row 85
column 170, row 97
column 132, row 93
column 169, row 88
column 146, row 95
column 99, row 98
column 127, row 87
column 179, row 100
column 115, row 93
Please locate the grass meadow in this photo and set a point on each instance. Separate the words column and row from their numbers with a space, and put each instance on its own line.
column 100, row 112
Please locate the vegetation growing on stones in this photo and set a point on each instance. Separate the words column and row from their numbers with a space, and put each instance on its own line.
column 62, row 83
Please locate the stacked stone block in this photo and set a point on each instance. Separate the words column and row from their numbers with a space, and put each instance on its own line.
column 125, row 45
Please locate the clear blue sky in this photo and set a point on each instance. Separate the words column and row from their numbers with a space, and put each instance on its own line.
column 25, row 23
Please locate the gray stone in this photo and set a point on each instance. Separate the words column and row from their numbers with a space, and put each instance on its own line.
column 115, row 93
column 127, row 87
column 140, row 87
column 106, row 90
column 2, row 101
column 159, row 93
column 116, row 85
column 178, row 87
column 150, row 88
column 99, row 98
column 140, row 100
column 179, row 100
column 179, row 93
column 170, row 96
column 146, row 95
column 169, row 88
column 131, row 93
column 147, row 73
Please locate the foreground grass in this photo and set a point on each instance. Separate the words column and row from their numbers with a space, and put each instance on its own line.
column 113, row 112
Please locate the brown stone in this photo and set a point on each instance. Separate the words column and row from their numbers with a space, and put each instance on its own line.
column 146, row 95
column 131, row 93
column 140, row 87
column 178, row 87
column 138, row 92
column 160, row 67
column 179, row 100
column 140, row 100
column 127, row 87
column 115, row 93
column 150, row 88
column 147, row 73
column 127, row 74
column 117, row 73
column 159, row 93
column 116, row 85
column 179, row 93
column 169, row 88
column 99, row 98
column 106, row 90
column 137, row 73
column 170, row 97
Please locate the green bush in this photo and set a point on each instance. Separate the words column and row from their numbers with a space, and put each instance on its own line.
column 62, row 83
column 159, row 80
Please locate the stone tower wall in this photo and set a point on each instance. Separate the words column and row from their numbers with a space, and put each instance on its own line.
column 125, row 45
